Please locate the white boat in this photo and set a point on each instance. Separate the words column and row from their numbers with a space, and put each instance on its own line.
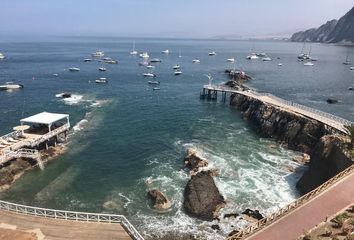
column 87, row 60
column 134, row 52
column 74, row 69
column 308, row 64
column 102, row 69
column 156, row 88
column 155, row 60
column 10, row 86
column 150, row 67
column 166, row 51
column 111, row 61
column 101, row 80
column 144, row 55
column 175, row 67
column 149, row 75
column 280, row 64
column 154, row 82
column 253, row 56
column 177, row 72
column 230, row 60
column 266, row 59
column 212, row 53
column 143, row 64
column 196, row 61
column 55, row 74
column 98, row 54
column 261, row 54
column 63, row 95
column 2, row 56
column 351, row 68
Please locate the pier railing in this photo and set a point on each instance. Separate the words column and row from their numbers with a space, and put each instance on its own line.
column 72, row 216
column 261, row 224
column 50, row 134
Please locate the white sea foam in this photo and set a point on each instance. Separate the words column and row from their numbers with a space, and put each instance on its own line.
column 80, row 125
column 74, row 99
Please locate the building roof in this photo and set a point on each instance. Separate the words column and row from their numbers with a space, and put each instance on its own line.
column 45, row 118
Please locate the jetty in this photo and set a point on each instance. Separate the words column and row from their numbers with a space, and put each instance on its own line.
column 210, row 92
column 45, row 128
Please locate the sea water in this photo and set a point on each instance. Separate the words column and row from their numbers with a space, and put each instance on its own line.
column 125, row 133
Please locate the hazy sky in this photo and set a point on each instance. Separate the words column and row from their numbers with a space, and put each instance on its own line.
column 166, row 18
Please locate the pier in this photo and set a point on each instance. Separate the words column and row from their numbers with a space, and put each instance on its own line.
column 210, row 92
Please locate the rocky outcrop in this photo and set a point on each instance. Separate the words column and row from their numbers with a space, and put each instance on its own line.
column 161, row 202
column 194, row 161
column 327, row 160
column 202, row 198
column 297, row 132
column 341, row 31
column 255, row 214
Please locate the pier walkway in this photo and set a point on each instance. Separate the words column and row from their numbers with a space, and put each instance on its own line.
column 59, row 225
column 323, row 117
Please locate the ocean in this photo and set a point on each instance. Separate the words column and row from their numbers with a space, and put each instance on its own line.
column 125, row 133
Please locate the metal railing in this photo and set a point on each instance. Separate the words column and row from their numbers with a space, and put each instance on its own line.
column 72, row 216
column 261, row 224
column 50, row 134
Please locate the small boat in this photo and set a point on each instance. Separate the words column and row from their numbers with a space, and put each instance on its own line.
column 347, row 61
column 212, row 53
column 351, row 68
column 166, row 51
column 351, row 88
column 107, row 59
column 280, row 64
column 102, row 69
column 10, row 86
column 252, row 56
column 87, row 60
column 98, row 54
column 196, row 61
column 261, row 54
column 74, row 69
column 2, row 56
column 308, row 64
column 155, row 60
column 144, row 55
column 175, row 67
column 134, row 52
column 111, row 61
column 150, row 67
column 178, row 72
column 230, row 60
column 154, row 82
column 101, row 80
column 63, row 95
column 55, row 74
column 156, row 88
column 149, row 75
column 266, row 59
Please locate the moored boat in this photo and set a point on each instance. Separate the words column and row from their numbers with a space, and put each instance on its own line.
column 102, row 69
column 253, row 56
column 10, row 86
column 2, row 56
column 266, row 59
column 196, row 61
column 101, row 80
column 74, row 69
column 98, row 54
column 175, row 67
column 178, row 72
column 230, row 60
column 166, row 51
column 149, row 75
column 155, row 60
column 212, row 53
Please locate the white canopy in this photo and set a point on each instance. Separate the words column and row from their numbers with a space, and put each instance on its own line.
column 45, row 118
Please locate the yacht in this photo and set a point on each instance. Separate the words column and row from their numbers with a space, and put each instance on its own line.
column 266, row 59
column 308, row 64
column 196, row 61
column 347, row 61
column 178, row 72
column 74, row 69
column 2, row 56
column 252, row 56
column 111, row 61
column 87, row 60
column 166, row 51
column 144, row 55
column 102, row 69
column 230, row 60
column 175, row 67
column 156, row 88
column 212, row 53
column 10, row 86
column 134, row 52
column 98, row 54
column 149, row 75
column 101, row 80
column 351, row 68
column 154, row 82
column 150, row 67
column 155, row 60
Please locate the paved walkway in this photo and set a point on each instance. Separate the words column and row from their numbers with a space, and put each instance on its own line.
column 306, row 217
column 55, row 229
column 326, row 118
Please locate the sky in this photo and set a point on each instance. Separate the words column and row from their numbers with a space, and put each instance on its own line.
column 166, row 18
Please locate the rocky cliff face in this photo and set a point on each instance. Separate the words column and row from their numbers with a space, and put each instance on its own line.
column 341, row 31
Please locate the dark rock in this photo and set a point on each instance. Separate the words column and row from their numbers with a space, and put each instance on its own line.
column 215, row 227
column 202, row 198
column 253, row 214
column 331, row 100
column 233, row 233
column 231, row 215
column 161, row 202
column 193, row 161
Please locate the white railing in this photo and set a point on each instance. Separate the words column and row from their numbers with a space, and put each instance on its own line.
column 72, row 216
column 50, row 134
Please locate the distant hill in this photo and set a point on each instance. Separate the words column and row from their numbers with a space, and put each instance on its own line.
column 341, row 31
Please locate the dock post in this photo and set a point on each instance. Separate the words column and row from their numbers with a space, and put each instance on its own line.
column 209, row 94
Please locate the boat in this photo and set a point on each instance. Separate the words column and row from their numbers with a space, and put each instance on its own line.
column 63, row 95
column 107, row 59
column 87, row 60
column 196, row 61
column 266, row 59
column 150, row 66
column 347, row 61
column 166, row 51
column 101, row 80
column 98, row 54
column 175, row 67
column 102, row 69
column 280, row 64
column 351, row 88
column 154, row 82
column 111, row 61
column 252, row 56
column 230, row 60
column 149, row 75
column 134, row 52
column 351, row 68
column 10, row 86
column 55, row 74
column 156, row 88
column 155, row 60
column 74, row 69
column 2, row 56
column 308, row 64
column 178, row 72
column 261, row 54
column 212, row 53
column 143, row 63
column 144, row 55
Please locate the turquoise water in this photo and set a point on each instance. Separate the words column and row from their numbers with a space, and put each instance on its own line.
column 126, row 133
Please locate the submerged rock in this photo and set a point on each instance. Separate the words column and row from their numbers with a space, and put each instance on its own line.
column 202, row 198
column 161, row 202
column 332, row 100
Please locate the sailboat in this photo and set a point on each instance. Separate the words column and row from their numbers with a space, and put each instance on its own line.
column 134, row 52
column 347, row 61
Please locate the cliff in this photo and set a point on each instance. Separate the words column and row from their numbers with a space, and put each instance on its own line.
column 341, row 31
